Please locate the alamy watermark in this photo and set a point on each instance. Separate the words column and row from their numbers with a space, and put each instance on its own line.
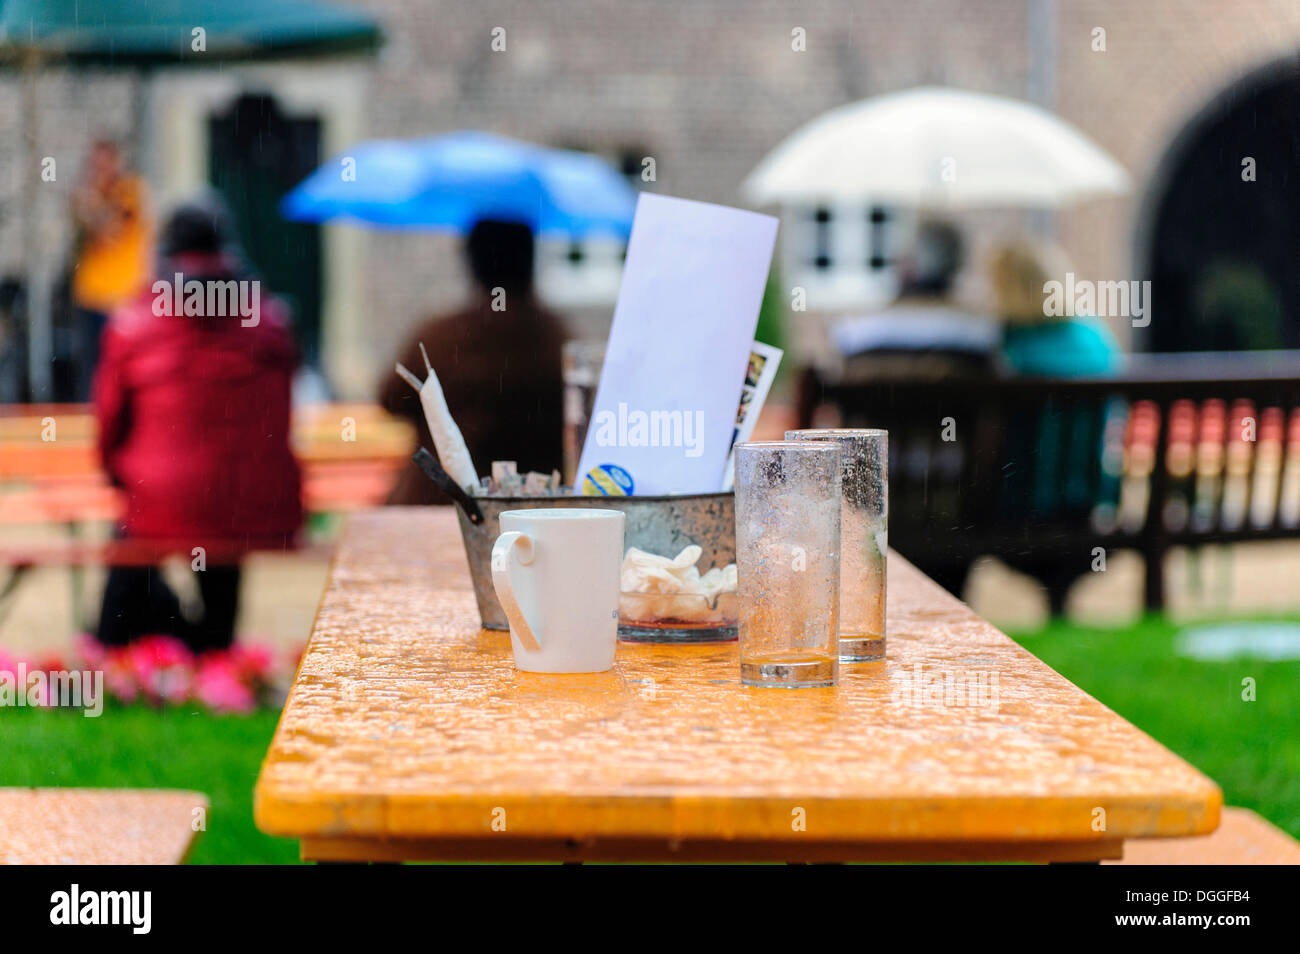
column 212, row 298
column 77, row 689
column 131, row 909
column 637, row 428
column 1124, row 299
column 921, row 688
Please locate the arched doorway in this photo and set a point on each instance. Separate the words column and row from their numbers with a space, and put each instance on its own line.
column 1223, row 222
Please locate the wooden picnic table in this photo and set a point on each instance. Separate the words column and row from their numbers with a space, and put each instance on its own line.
column 408, row 735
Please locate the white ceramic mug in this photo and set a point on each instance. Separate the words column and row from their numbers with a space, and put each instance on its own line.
column 556, row 573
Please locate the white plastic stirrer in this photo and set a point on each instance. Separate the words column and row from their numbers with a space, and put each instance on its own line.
column 447, row 439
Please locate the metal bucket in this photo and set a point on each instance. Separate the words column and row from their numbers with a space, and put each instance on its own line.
column 662, row 525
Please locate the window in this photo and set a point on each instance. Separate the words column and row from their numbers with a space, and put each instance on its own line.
column 876, row 220
column 822, row 238
column 841, row 254
column 587, row 272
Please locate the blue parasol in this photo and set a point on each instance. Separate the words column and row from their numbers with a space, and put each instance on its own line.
column 452, row 181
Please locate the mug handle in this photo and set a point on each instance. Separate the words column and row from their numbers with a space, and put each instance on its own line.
column 501, row 551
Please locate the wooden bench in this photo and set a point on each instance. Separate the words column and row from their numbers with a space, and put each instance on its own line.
column 350, row 455
column 81, row 826
column 973, row 471
column 1242, row 838
column 346, row 466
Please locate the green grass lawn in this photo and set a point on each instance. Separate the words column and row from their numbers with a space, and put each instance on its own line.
column 1252, row 749
column 140, row 747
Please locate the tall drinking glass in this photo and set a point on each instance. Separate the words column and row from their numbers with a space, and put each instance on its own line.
column 864, row 535
column 788, row 562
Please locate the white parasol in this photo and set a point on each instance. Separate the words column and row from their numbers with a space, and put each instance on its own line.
column 936, row 147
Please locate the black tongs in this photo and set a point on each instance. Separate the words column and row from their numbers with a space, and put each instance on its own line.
column 433, row 470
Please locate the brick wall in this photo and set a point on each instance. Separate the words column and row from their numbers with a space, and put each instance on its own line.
column 706, row 87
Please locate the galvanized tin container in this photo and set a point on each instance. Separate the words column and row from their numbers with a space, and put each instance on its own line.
column 662, row 525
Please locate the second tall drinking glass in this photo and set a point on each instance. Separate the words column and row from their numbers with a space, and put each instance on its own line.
column 788, row 562
column 864, row 534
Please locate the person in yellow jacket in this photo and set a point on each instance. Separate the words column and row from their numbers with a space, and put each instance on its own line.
column 113, row 243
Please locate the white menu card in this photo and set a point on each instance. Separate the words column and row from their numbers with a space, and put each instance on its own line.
column 679, row 346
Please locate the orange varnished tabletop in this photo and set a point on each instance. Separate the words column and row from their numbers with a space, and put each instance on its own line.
column 409, row 735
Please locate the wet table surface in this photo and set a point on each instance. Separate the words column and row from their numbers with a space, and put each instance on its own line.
column 409, row 735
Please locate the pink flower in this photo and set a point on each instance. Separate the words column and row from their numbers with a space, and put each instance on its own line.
column 162, row 667
column 160, row 652
column 91, row 651
column 219, row 687
column 119, row 677
column 50, row 663
column 162, row 670
column 253, row 662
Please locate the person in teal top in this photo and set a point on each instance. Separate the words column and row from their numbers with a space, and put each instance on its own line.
column 1063, row 348
column 1034, row 343
column 1057, row 471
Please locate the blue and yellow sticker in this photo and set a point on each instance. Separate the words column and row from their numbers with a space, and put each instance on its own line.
column 607, row 480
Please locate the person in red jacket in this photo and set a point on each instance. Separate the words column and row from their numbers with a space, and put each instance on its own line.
column 192, row 400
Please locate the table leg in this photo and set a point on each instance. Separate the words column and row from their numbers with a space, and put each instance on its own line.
column 76, row 573
column 16, row 574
